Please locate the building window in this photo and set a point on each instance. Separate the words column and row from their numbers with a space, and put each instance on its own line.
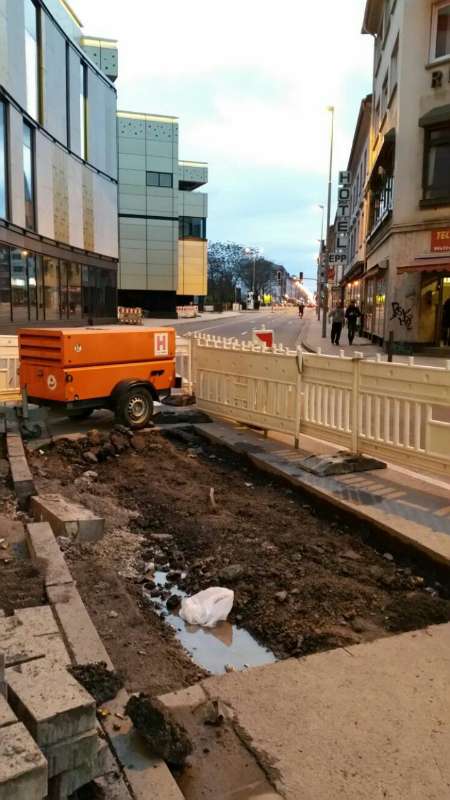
column 394, row 70
column 440, row 39
column 384, row 97
column 83, row 111
column 376, row 118
column 194, row 227
column 32, row 58
column 28, row 176
column 3, row 168
column 382, row 199
column 160, row 179
column 437, row 163
column 5, row 285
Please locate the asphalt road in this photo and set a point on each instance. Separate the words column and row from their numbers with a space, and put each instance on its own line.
column 286, row 325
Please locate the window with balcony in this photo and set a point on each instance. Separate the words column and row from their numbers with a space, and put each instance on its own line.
column 382, row 198
column 28, row 176
column 31, row 13
column 163, row 180
column 440, row 35
column 437, row 164
column 192, row 227
column 3, row 168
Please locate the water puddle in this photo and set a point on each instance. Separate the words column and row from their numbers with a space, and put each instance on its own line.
column 214, row 649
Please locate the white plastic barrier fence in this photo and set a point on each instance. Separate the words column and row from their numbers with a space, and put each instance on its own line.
column 129, row 316
column 9, row 364
column 397, row 411
column 187, row 312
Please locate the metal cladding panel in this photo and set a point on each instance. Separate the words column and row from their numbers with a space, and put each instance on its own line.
column 106, row 236
column 44, row 181
column 111, row 134
column 193, row 267
column 76, row 202
column 54, row 61
column 12, row 49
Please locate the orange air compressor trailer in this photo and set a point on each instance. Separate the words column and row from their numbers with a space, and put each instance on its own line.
column 81, row 369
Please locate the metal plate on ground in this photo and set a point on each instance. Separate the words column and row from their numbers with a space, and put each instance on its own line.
column 339, row 464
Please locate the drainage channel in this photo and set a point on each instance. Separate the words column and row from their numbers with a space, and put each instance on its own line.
column 220, row 649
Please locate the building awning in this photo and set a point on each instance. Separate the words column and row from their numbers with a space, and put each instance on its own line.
column 354, row 273
column 373, row 271
column 427, row 265
column 436, row 116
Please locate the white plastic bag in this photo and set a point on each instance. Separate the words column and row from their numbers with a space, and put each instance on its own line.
column 207, row 608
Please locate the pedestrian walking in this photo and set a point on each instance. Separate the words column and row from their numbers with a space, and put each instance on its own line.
column 338, row 319
column 301, row 309
column 352, row 316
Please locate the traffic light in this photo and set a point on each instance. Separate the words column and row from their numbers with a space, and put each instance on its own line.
column 301, row 276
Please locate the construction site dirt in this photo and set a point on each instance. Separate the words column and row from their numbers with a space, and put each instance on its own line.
column 304, row 579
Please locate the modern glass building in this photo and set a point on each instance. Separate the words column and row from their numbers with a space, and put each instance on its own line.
column 162, row 217
column 58, row 168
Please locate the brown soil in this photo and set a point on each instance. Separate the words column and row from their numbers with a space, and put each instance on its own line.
column 98, row 680
column 21, row 584
column 304, row 579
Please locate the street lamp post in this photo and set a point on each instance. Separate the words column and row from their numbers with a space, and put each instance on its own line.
column 254, row 252
column 330, row 178
column 319, row 264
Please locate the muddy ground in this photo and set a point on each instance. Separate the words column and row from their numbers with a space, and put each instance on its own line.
column 21, row 585
column 304, row 579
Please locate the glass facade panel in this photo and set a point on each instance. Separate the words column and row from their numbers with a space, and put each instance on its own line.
column 32, row 58
column 74, row 289
column 51, row 288
column 5, row 285
column 83, row 111
column 3, row 174
column 32, row 287
column 35, row 287
column 28, row 176
column 19, row 285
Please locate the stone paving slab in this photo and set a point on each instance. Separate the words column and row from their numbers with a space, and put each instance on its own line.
column 68, row 519
column 69, row 754
column 50, row 716
column 46, row 554
column 23, row 768
column 7, row 716
column 32, row 634
column 80, row 634
column 371, row 721
column 414, row 511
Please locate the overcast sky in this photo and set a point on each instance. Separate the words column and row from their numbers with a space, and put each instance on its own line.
column 250, row 81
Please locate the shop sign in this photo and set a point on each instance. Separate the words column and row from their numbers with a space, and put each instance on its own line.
column 440, row 240
column 343, row 210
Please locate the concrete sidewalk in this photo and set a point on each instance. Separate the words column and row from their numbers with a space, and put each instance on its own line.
column 412, row 509
column 311, row 340
column 364, row 723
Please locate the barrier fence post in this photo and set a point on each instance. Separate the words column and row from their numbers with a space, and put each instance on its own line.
column 298, row 401
column 355, row 420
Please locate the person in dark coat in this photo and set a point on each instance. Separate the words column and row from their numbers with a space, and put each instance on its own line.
column 301, row 309
column 352, row 315
column 338, row 318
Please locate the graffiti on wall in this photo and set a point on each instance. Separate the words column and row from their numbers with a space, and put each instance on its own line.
column 403, row 315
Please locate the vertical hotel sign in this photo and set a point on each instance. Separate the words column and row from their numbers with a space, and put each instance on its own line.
column 342, row 218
